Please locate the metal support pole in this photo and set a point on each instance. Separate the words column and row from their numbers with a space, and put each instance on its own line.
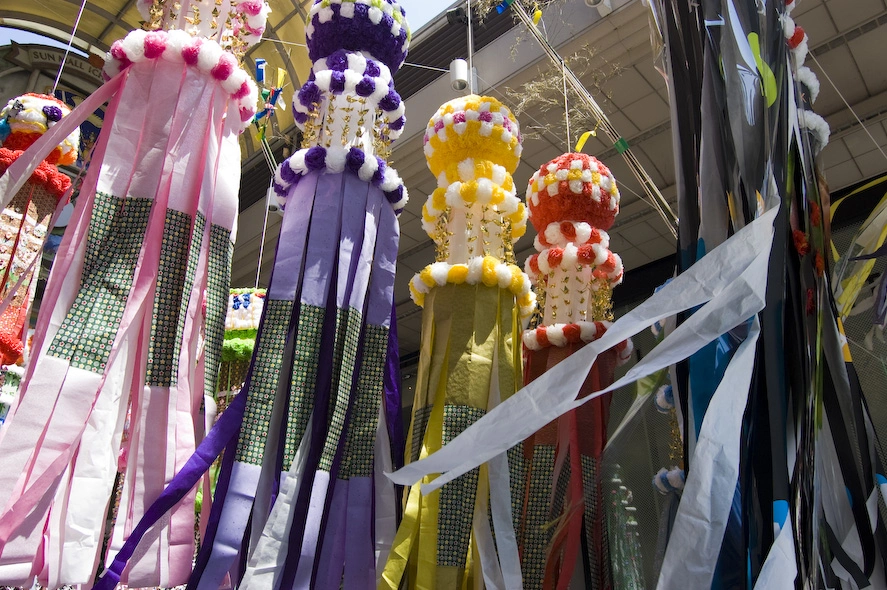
column 471, row 87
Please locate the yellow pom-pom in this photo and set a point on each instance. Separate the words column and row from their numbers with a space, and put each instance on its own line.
column 425, row 277
column 439, row 199
column 489, row 277
column 517, row 280
column 457, row 274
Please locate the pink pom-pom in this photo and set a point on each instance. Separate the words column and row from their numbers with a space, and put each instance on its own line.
column 117, row 51
column 251, row 7
column 243, row 92
column 155, row 44
column 224, row 68
column 246, row 114
column 190, row 52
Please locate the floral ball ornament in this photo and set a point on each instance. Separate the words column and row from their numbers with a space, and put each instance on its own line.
column 29, row 116
column 575, row 187
column 472, row 146
column 378, row 27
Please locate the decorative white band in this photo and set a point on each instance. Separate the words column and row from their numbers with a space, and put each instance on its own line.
column 485, row 270
column 179, row 47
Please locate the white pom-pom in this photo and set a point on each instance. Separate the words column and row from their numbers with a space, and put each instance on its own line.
column 208, row 56
column 325, row 15
column 335, row 159
column 375, row 15
column 134, row 45
column 503, row 275
column 347, row 10
column 297, row 162
column 499, row 174
column 530, row 340
column 556, row 335
column 368, row 169
column 176, row 40
column 583, row 232
column 390, row 180
column 233, row 82
column 484, row 190
column 809, row 79
column 475, row 270
column 439, row 271
column 466, row 170
column 553, row 234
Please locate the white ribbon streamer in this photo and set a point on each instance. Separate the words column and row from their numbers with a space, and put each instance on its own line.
column 732, row 277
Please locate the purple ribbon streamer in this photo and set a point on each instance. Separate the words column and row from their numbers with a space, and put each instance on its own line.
column 392, row 393
column 218, row 438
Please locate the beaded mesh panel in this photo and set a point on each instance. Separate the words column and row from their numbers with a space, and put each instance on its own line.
column 348, row 327
column 454, row 518
column 357, row 459
column 115, row 238
column 598, row 555
column 175, row 279
column 218, row 280
column 304, row 378
column 263, row 385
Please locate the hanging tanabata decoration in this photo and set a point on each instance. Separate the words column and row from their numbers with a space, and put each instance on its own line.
column 474, row 297
column 25, row 222
column 572, row 200
column 781, row 458
column 121, row 324
column 300, row 501
column 245, row 307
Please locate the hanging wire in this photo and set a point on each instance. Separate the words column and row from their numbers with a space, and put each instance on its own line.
column 58, row 76
column 567, row 108
column 847, row 104
column 264, row 234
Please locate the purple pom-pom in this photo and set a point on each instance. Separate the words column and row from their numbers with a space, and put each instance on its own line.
column 365, row 87
column 379, row 175
column 354, row 160
column 301, row 118
column 398, row 124
column 395, row 195
column 280, row 190
column 53, row 113
column 337, row 82
column 338, row 61
column 309, row 94
column 390, row 102
column 287, row 173
column 372, row 69
column 315, row 158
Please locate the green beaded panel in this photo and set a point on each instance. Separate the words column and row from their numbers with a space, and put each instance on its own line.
column 218, row 281
column 113, row 243
column 267, row 362
column 360, row 444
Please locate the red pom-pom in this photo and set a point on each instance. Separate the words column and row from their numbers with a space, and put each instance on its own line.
column 573, row 333
column 542, row 337
column 797, row 37
column 555, row 256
